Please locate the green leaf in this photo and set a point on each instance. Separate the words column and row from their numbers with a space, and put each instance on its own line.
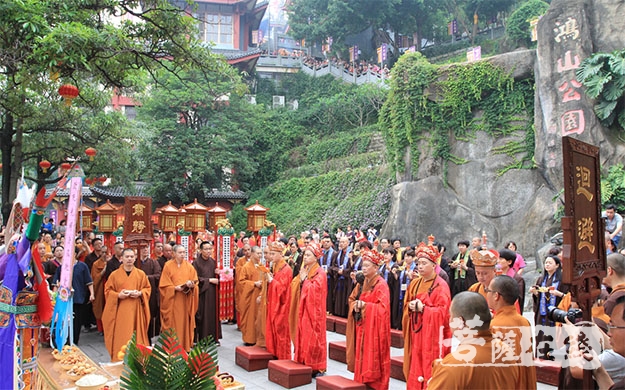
column 617, row 62
column 615, row 89
column 604, row 109
column 594, row 85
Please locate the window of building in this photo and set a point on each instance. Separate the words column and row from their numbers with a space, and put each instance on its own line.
column 216, row 28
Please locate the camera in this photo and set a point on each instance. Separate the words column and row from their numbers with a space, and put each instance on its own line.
column 557, row 315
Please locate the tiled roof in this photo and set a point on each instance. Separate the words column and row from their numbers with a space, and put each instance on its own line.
column 225, row 195
column 64, row 192
column 120, row 192
column 237, row 54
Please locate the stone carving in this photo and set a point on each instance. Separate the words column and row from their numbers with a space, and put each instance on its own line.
column 517, row 205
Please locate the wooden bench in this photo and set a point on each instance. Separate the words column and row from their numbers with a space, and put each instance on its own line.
column 337, row 382
column 397, row 338
column 289, row 374
column 340, row 325
column 337, row 350
column 397, row 368
column 252, row 358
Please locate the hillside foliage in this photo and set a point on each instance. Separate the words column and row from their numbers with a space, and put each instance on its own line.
column 439, row 104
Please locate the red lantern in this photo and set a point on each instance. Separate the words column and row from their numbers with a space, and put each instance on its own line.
column 66, row 166
column 91, row 152
column 0, row 167
column 69, row 93
column 101, row 179
column 89, row 181
column 44, row 165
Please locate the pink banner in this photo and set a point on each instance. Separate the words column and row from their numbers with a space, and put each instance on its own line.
column 70, row 234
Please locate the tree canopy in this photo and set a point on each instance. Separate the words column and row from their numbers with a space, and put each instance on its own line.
column 99, row 46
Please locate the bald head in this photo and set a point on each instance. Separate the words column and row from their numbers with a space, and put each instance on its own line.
column 616, row 261
column 507, row 287
column 467, row 305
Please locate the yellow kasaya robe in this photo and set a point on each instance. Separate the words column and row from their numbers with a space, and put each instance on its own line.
column 247, row 307
column 122, row 317
column 177, row 307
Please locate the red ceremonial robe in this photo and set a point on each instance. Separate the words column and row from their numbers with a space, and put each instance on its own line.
column 422, row 341
column 277, row 339
column 370, row 338
column 310, row 342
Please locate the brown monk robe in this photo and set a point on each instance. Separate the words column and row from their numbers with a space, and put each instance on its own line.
column 179, row 297
column 152, row 270
column 97, row 274
column 207, row 316
column 127, row 308
column 250, row 286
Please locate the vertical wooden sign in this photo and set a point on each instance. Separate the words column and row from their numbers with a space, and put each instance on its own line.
column 583, row 251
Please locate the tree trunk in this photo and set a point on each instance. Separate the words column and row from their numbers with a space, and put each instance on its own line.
column 6, row 146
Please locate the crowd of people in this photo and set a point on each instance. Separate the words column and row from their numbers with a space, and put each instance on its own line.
column 285, row 290
column 360, row 66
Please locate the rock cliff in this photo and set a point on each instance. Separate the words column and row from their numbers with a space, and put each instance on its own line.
column 519, row 204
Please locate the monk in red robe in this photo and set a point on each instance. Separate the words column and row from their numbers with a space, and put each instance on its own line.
column 426, row 311
column 127, row 308
column 278, row 299
column 368, row 328
column 179, row 297
column 309, row 290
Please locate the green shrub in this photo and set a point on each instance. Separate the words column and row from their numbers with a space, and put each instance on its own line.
column 518, row 27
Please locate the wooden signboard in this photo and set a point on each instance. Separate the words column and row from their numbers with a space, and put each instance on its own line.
column 583, row 252
column 138, row 219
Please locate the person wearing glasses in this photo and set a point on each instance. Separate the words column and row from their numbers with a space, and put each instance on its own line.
column 510, row 326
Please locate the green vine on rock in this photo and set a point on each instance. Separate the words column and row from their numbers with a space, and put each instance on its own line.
column 447, row 104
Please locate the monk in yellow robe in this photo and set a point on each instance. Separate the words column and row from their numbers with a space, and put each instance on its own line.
column 479, row 361
column 250, row 287
column 238, row 269
column 97, row 274
column 127, row 308
column 179, row 297
column 511, row 327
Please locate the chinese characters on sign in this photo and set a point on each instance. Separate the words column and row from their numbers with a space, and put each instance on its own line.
column 138, row 219
column 572, row 121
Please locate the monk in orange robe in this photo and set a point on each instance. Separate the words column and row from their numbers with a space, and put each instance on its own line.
column 261, row 301
column 127, row 308
column 238, row 268
column 249, row 284
column 179, row 297
column 426, row 310
column 310, row 289
column 97, row 274
column 484, row 262
column 278, row 300
column 368, row 327
column 474, row 365
column 511, row 327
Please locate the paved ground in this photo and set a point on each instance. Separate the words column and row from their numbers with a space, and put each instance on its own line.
column 93, row 345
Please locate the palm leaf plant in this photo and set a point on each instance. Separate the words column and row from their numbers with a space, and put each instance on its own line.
column 603, row 75
column 167, row 366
